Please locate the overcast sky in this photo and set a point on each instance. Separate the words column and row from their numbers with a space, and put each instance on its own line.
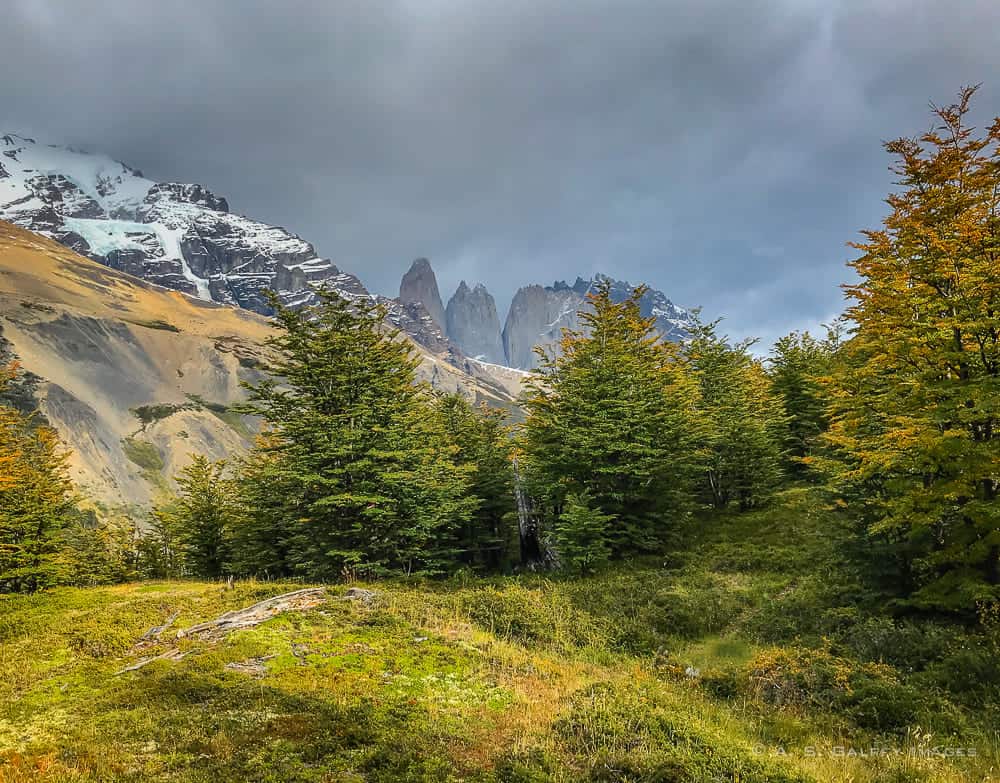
column 723, row 151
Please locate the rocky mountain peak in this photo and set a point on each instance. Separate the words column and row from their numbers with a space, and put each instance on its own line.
column 178, row 235
column 473, row 324
column 184, row 193
column 419, row 284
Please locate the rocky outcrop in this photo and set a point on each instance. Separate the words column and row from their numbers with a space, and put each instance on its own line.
column 413, row 319
column 538, row 315
column 473, row 324
column 420, row 285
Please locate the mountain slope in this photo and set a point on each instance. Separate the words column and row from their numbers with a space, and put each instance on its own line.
column 136, row 378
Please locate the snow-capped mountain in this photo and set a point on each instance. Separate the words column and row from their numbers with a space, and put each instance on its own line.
column 180, row 236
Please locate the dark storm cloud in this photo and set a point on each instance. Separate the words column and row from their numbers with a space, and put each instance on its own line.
column 721, row 151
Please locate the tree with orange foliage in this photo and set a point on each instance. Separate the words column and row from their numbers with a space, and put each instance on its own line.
column 10, row 455
column 916, row 413
column 35, row 498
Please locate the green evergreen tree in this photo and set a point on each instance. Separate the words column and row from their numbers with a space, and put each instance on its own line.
column 36, row 499
column 488, row 538
column 745, row 421
column 100, row 550
column 199, row 517
column 371, row 479
column 614, row 414
column 266, row 520
column 159, row 552
column 799, row 368
column 579, row 537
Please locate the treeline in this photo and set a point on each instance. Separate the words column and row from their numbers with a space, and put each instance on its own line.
column 626, row 435
column 361, row 470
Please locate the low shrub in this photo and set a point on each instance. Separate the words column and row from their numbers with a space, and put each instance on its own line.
column 532, row 614
column 871, row 695
column 635, row 734
column 906, row 645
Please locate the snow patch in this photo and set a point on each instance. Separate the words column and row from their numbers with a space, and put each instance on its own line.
column 106, row 236
column 170, row 240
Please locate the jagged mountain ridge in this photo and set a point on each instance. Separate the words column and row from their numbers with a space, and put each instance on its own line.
column 537, row 316
column 184, row 237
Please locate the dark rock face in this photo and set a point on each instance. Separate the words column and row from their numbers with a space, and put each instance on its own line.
column 419, row 284
column 538, row 315
column 413, row 319
column 473, row 324
column 195, row 195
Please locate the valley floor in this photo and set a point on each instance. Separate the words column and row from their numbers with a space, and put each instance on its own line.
column 757, row 655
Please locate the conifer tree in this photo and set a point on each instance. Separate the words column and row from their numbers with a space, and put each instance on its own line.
column 799, row 368
column 614, row 414
column 370, row 476
column 266, row 518
column 100, row 550
column 159, row 552
column 36, row 499
column 483, row 444
column 918, row 396
column 198, row 519
column 744, row 420
column 580, row 535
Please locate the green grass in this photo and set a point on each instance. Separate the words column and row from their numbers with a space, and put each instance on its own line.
column 155, row 324
column 530, row 678
column 143, row 453
column 225, row 414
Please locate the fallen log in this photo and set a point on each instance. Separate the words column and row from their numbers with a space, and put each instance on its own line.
column 256, row 614
column 238, row 619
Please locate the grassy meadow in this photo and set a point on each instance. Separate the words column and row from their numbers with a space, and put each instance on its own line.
column 757, row 654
